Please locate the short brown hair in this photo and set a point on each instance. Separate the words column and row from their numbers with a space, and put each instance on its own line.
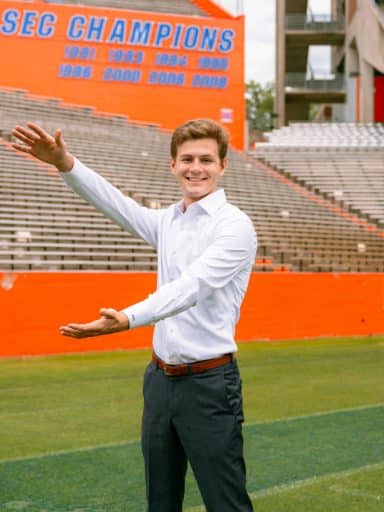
column 195, row 129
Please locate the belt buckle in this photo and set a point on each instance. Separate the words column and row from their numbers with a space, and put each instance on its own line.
column 171, row 371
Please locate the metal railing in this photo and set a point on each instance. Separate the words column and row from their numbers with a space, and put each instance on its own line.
column 314, row 22
column 309, row 83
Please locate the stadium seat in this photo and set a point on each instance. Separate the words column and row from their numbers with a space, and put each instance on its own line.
column 296, row 231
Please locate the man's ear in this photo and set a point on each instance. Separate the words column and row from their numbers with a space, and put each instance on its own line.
column 223, row 164
column 172, row 166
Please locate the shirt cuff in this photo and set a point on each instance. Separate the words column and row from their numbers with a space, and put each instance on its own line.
column 76, row 171
column 139, row 314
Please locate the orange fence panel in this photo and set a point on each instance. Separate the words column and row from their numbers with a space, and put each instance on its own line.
column 277, row 306
column 293, row 305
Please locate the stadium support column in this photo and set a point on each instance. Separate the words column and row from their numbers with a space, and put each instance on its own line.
column 280, row 63
column 352, row 73
column 366, row 91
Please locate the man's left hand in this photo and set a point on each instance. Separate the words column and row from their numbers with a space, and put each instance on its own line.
column 110, row 321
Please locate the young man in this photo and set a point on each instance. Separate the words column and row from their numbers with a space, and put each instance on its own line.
column 206, row 247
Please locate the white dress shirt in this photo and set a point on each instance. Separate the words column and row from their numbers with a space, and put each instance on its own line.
column 205, row 256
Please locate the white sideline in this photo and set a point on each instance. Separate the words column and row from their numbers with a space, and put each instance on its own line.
column 133, row 441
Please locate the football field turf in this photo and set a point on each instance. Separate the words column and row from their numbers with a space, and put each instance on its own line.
column 70, row 428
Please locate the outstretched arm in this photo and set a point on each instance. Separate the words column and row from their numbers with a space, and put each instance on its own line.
column 232, row 251
column 47, row 148
column 95, row 189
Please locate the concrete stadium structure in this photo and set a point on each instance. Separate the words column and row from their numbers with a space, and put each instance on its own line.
column 353, row 90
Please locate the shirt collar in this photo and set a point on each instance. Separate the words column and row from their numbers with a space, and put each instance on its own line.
column 210, row 203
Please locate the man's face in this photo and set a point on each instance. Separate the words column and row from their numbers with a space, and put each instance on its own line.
column 197, row 167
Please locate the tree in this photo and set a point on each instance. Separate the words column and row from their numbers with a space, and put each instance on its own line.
column 260, row 109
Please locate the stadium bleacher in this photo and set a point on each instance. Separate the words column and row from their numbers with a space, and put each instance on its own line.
column 330, row 135
column 44, row 226
column 344, row 162
column 166, row 6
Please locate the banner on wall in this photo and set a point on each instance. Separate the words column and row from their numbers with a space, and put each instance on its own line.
column 152, row 67
column 379, row 99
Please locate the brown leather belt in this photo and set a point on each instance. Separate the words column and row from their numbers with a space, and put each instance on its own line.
column 190, row 368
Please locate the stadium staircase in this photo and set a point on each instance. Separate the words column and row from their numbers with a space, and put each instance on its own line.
column 45, row 226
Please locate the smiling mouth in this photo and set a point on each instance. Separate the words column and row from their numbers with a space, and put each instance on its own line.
column 195, row 180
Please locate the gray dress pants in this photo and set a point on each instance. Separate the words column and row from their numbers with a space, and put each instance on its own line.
column 197, row 418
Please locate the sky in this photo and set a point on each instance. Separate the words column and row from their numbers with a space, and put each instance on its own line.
column 260, row 37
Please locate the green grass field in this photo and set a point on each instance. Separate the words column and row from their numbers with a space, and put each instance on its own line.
column 70, row 428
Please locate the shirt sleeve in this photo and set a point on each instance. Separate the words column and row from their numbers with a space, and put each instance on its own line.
column 124, row 211
column 232, row 250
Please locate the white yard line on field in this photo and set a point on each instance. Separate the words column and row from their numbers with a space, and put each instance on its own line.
column 316, row 414
column 356, row 492
column 69, row 451
column 279, row 489
column 133, row 441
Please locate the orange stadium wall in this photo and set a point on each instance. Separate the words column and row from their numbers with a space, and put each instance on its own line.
column 152, row 67
column 277, row 306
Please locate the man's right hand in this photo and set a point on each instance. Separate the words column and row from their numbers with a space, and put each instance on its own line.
column 38, row 143
column 110, row 321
